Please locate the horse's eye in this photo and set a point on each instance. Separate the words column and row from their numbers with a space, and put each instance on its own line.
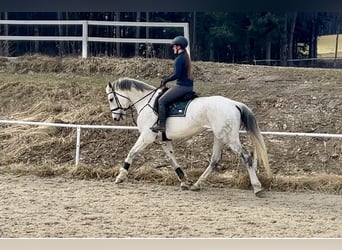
column 111, row 99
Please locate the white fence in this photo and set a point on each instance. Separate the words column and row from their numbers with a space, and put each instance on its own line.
column 331, row 60
column 79, row 126
column 85, row 26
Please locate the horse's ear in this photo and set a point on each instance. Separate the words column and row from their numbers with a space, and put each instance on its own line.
column 110, row 85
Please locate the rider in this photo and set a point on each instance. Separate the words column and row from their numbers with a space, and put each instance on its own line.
column 182, row 73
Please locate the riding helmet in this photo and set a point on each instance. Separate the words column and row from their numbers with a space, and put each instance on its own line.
column 181, row 41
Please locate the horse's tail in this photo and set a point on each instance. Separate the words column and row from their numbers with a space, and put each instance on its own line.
column 251, row 126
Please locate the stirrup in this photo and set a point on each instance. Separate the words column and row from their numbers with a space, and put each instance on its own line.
column 157, row 128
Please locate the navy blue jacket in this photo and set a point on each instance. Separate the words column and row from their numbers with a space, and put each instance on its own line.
column 180, row 72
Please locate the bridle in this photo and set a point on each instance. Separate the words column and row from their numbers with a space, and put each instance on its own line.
column 118, row 104
column 120, row 107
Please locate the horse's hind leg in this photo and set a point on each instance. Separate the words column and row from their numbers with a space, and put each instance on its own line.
column 215, row 159
column 167, row 147
column 251, row 165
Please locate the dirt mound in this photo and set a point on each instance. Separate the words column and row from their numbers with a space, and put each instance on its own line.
column 138, row 67
column 71, row 90
column 117, row 66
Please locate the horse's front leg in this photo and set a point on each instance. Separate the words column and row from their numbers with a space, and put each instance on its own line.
column 167, row 147
column 140, row 144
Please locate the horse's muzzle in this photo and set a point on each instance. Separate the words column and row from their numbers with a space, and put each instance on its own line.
column 118, row 118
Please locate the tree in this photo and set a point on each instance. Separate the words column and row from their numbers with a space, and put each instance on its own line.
column 216, row 36
column 262, row 31
column 4, row 46
column 292, row 26
column 338, row 19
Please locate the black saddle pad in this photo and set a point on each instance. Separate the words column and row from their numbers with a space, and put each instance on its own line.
column 178, row 108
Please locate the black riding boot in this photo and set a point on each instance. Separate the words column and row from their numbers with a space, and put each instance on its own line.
column 160, row 125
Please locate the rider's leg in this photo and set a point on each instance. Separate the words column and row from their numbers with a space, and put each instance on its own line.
column 160, row 126
column 170, row 96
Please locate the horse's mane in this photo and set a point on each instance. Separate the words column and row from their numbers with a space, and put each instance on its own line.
column 129, row 83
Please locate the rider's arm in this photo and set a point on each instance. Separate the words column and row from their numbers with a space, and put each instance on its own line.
column 176, row 72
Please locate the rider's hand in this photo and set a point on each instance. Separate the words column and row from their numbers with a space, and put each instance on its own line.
column 163, row 83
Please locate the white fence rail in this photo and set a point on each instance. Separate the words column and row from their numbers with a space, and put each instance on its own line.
column 85, row 38
column 66, row 125
column 79, row 127
column 270, row 61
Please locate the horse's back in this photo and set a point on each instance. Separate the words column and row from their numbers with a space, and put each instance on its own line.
column 211, row 112
column 218, row 111
column 216, row 104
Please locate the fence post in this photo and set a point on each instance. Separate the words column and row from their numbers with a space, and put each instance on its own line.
column 78, row 144
column 85, row 39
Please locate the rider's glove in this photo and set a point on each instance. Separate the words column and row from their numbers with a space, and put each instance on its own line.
column 163, row 83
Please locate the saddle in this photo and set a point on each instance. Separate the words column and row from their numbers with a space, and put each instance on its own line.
column 179, row 107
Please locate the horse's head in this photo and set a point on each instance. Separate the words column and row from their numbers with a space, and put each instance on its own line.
column 118, row 103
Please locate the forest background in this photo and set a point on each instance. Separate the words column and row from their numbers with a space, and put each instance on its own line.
column 230, row 37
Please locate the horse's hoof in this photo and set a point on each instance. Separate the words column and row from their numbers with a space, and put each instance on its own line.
column 184, row 186
column 260, row 193
column 122, row 176
column 195, row 188
column 118, row 181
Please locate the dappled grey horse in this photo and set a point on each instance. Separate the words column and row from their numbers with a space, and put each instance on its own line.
column 221, row 115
